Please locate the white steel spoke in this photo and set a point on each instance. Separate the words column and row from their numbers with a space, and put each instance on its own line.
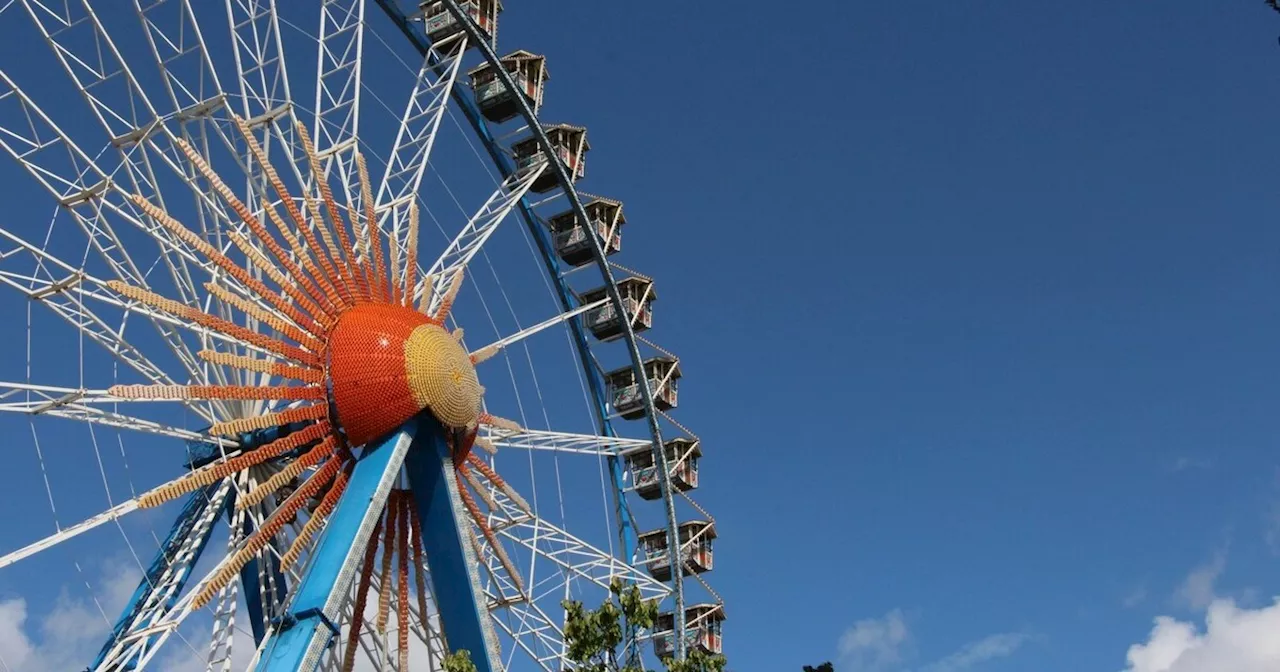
column 89, row 196
column 587, row 444
column 224, row 623
column 533, row 632
column 571, row 554
column 69, row 403
column 492, row 348
column 66, row 533
column 419, row 124
column 263, row 79
column 55, row 394
column 468, row 242
column 179, row 49
column 338, row 63
column 259, row 56
column 416, row 136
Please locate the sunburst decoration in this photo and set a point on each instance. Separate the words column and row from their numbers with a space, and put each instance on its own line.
column 362, row 360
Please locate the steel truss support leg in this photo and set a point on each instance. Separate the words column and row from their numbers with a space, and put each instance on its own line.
column 300, row 638
column 252, row 589
column 446, row 538
column 168, row 573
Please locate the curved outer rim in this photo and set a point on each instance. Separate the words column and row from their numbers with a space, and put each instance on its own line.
column 477, row 38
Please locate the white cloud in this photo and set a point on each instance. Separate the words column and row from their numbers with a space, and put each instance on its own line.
column 1197, row 590
column 190, row 653
column 974, row 653
column 1134, row 597
column 1239, row 640
column 71, row 633
column 15, row 647
column 874, row 644
column 883, row 645
column 1185, row 463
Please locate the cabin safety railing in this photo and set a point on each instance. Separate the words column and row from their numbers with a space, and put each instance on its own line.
column 490, row 90
column 630, row 395
column 577, row 236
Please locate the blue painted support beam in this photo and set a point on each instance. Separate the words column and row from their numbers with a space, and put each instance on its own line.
column 446, row 539
column 201, row 453
column 461, row 97
column 251, row 588
column 179, row 535
column 297, row 641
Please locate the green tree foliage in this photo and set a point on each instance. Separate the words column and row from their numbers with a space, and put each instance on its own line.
column 696, row 661
column 593, row 637
column 459, row 661
column 825, row 667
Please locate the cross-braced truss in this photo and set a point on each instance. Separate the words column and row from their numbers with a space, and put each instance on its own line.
column 153, row 86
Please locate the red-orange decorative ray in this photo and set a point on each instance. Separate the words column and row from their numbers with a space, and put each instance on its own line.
column 419, row 567
column 327, row 503
column 364, row 359
column 362, row 593
column 280, row 419
column 358, row 281
column 371, row 222
column 402, row 580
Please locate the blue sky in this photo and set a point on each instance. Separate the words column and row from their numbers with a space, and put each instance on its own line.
column 975, row 304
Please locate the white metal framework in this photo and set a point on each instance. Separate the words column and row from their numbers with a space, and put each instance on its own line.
column 104, row 112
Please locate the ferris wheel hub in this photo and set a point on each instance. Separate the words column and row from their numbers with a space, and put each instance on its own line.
column 389, row 362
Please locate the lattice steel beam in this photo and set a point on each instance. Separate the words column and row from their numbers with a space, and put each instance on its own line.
column 472, row 237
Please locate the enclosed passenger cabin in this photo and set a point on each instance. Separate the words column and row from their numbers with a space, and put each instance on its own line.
column 604, row 217
column 529, row 71
column 696, row 554
column 624, row 389
column 441, row 25
column 637, row 300
column 570, row 144
column 682, row 462
column 702, row 623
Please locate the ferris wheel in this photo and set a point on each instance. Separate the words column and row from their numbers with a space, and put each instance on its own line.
column 311, row 325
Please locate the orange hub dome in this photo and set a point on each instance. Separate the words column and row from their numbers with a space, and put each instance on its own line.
column 388, row 362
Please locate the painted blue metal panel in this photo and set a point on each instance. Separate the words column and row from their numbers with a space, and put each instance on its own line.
column 288, row 647
column 446, row 540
